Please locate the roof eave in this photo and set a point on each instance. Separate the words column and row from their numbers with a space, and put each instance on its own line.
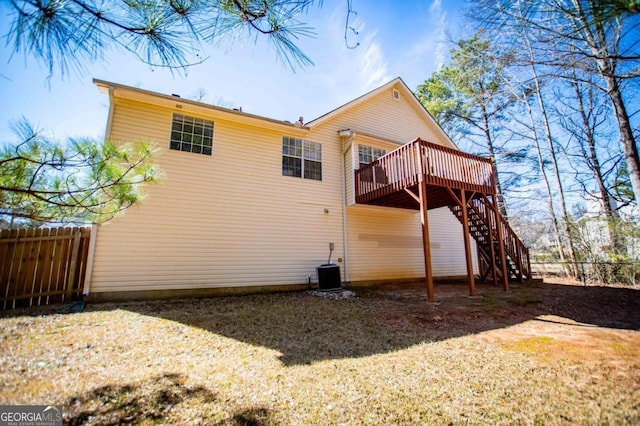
column 224, row 113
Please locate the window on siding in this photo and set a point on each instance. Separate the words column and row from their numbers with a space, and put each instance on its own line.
column 191, row 134
column 368, row 154
column 301, row 158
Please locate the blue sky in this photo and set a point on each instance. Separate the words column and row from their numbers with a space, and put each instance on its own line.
column 397, row 39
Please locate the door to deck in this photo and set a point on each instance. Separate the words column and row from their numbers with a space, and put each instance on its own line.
column 422, row 175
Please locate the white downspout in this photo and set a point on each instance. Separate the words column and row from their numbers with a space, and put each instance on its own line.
column 346, row 136
column 107, row 132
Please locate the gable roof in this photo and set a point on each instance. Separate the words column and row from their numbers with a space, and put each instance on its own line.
column 396, row 83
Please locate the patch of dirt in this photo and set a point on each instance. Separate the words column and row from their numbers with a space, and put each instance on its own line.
column 554, row 320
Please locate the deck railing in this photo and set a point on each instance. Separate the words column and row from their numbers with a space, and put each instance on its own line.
column 441, row 166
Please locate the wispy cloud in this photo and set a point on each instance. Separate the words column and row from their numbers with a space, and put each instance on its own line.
column 428, row 45
column 365, row 66
column 341, row 73
column 372, row 65
column 439, row 19
column 432, row 43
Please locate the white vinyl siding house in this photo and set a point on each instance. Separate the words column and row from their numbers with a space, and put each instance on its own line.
column 230, row 212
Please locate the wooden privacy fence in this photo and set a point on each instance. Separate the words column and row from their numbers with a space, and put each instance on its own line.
column 42, row 265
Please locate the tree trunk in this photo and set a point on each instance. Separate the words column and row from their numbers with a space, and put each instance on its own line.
column 502, row 208
column 606, row 58
column 552, row 211
column 629, row 147
column 611, row 215
column 554, row 161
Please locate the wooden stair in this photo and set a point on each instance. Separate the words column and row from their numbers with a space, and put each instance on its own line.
column 482, row 220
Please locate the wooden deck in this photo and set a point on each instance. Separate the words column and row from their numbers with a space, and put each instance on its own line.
column 422, row 175
column 383, row 181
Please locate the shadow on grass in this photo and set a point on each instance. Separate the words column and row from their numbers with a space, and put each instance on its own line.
column 152, row 402
column 306, row 328
column 602, row 306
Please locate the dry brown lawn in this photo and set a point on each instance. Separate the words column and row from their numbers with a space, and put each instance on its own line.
column 540, row 354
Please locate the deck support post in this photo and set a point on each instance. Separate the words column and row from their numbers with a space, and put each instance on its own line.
column 467, row 243
column 424, row 218
column 424, row 215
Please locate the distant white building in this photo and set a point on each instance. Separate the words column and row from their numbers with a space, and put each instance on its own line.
column 595, row 234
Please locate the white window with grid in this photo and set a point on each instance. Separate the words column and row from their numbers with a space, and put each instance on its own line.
column 301, row 158
column 191, row 134
column 368, row 154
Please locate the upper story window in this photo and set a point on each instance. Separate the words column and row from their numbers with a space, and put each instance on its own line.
column 191, row 134
column 301, row 158
column 368, row 154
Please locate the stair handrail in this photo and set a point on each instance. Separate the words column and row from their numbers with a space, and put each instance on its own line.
column 512, row 243
column 517, row 247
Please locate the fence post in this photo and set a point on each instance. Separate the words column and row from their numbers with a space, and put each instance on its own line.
column 75, row 252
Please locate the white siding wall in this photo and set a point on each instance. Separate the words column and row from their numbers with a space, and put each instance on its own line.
column 230, row 219
column 349, row 166
column 447, row 245
column 386, row 243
